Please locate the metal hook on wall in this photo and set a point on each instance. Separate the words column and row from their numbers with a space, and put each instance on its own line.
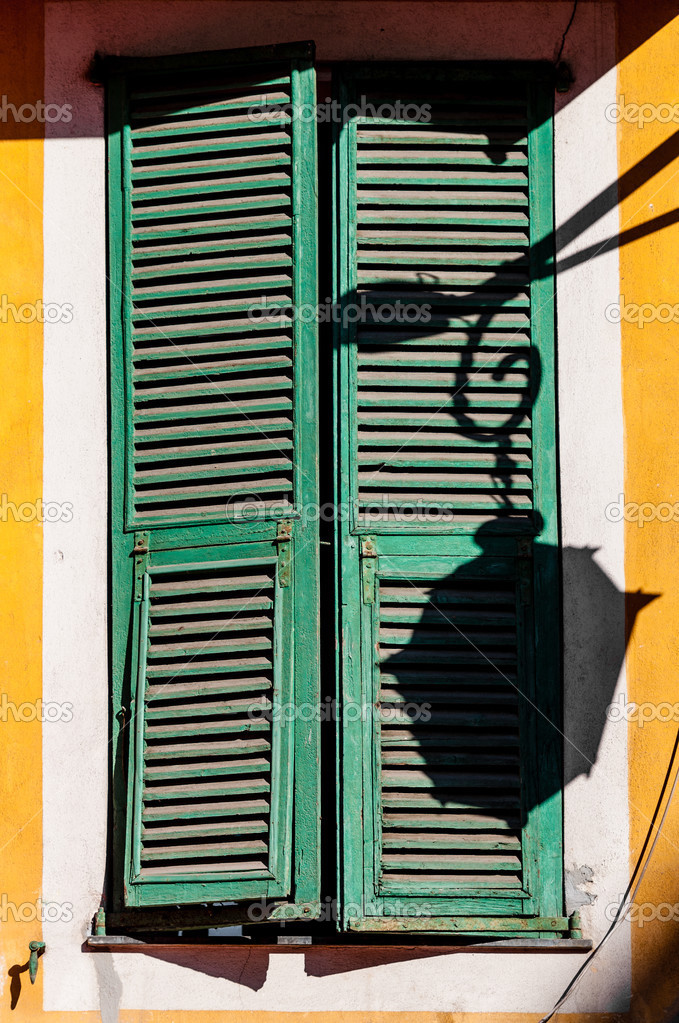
column 35, row 948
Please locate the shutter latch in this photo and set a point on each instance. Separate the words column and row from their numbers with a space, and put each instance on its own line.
column 368, row 563
column 283, row 539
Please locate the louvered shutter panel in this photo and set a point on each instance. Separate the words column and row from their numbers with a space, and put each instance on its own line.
column 447, row 462
column 447, row 674
column 213, row 228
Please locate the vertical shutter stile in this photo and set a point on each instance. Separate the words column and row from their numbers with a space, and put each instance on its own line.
column 215, row 459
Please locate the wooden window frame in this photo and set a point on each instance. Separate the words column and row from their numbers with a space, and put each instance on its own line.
column 538, row 914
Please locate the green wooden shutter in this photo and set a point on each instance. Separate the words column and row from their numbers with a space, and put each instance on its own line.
column 448, row 560
column 215, row 602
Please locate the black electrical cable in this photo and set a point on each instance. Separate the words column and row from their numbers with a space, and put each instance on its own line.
column 630, row 893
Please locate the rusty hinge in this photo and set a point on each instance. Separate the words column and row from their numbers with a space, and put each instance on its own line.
column 140, row 551
column 141, row 543
column 100, row 921
column 368, row 563
column 283, row 539
column 525, row 569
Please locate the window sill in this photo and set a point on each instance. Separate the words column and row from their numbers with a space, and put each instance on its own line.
column 124, row 943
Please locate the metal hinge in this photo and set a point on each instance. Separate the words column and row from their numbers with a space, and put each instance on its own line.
column 283, row 539
column 100, row 921
column 525, row 569
column 368, row 564
column 141, row 543
column 140, row 551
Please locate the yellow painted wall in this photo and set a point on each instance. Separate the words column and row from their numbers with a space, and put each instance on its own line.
column 649, row 273
column 21, row 188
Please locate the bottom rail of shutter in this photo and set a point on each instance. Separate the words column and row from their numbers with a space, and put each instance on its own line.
column 478, row 925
